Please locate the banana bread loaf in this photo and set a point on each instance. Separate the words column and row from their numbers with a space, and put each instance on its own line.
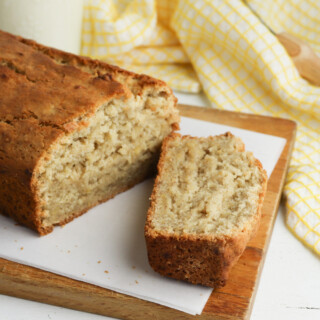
column 205, row 207
column 74, row 132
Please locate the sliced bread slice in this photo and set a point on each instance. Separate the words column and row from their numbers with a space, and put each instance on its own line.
column 205, row 207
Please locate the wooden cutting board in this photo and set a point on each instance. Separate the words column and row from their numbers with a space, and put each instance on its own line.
column 234, row 301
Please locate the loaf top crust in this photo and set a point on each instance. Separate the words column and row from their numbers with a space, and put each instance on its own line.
column 45, row 93
column 33, row 85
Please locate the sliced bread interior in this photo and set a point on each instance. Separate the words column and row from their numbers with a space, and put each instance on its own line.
column 117, row 148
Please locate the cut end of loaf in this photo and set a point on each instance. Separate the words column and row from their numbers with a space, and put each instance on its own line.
column 116, row 148
column 205, row 206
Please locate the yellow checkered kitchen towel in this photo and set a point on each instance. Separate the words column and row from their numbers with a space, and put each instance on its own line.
column 221, row 47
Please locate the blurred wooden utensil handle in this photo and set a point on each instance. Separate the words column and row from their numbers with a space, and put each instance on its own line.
column 304, row 58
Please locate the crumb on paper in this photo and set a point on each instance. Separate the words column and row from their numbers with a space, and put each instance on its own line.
column 201, row 294
column 136, row 281
column 133, row 267
column 99, row 261
column 15, row 240
column 76, row 246
column 21, row 248
column 106, row 271
column 83, row 274
column 68, row 251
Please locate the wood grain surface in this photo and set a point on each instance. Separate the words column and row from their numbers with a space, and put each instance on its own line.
column 234, row 301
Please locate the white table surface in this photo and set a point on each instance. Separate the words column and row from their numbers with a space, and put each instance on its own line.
column 289, row 287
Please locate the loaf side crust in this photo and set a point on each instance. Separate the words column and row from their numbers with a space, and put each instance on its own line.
column 197, row 258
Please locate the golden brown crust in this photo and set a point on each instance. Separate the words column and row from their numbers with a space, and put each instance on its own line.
column 44, row 94
column 137, row 83
column 196, row 258
column 33, row 85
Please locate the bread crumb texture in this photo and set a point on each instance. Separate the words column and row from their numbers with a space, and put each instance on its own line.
column 207, row 186
column 116, row 148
